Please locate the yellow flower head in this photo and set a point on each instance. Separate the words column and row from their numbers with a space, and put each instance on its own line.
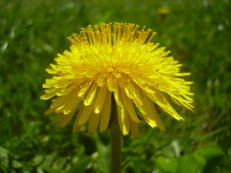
column 115, row 61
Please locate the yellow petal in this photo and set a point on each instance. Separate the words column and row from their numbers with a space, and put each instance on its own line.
column 76, row 125
column 71, row 104
column 122, row 121
column 47, row 96
column 111, row 83
column 100, row 99
column 152, row 117
column 84, row 114
column 135, row 91
column 51, row 90
column 105, row 114
column 62, row 120
column 101, row 80
column 118, row 98
column 162, row 102
column 136, row 95
column 93, row 123
column 90, row 96
column 130, row 107
column 83, row 89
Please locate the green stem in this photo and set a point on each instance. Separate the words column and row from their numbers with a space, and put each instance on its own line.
column 115, row 142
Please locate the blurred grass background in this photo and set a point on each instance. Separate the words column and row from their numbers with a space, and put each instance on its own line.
column 32, row 33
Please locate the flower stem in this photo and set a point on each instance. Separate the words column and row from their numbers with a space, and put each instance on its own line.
column 115, row 142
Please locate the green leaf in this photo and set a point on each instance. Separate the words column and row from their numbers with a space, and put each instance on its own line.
column 167, row 164
column 191, row 164
column 81, row 166
column 210, row 151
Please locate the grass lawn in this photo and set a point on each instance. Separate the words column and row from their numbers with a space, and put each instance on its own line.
column 197, row 32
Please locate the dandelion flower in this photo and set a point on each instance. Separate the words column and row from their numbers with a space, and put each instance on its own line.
column 115, row 61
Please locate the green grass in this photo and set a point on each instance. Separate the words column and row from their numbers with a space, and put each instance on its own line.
column 33, row 32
